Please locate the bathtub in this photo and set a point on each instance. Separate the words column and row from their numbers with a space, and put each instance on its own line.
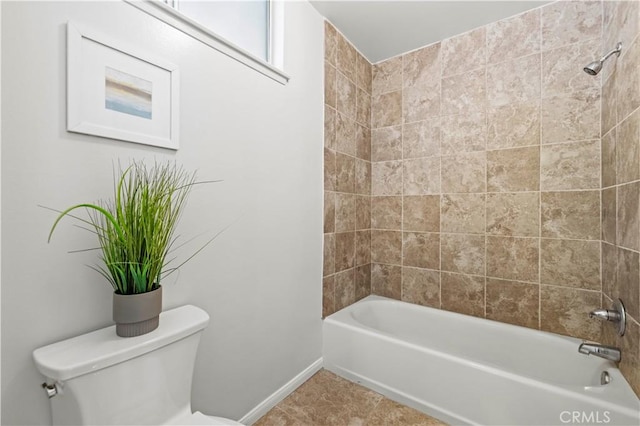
column 466, row 370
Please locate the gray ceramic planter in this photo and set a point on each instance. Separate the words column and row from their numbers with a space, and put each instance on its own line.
column 137, row 314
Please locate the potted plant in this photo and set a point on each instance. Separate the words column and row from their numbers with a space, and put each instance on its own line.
column 135, row 231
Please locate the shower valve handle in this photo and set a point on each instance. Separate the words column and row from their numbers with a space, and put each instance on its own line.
column 616, row 315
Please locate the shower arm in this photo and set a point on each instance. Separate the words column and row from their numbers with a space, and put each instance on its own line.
column 617, row 51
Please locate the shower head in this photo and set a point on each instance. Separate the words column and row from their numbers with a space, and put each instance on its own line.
column 596, row 66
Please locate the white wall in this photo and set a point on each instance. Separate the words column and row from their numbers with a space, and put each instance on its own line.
column 260, row 280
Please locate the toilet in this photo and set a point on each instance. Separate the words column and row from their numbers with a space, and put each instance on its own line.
column 99, row 378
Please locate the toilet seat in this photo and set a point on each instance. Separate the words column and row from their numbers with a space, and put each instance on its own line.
column 198, row 418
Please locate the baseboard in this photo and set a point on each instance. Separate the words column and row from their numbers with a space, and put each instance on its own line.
column 272, row 400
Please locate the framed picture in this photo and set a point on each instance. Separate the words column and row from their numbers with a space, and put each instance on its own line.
column 118, row 92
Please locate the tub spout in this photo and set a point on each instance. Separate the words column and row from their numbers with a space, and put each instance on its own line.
column 606, row 352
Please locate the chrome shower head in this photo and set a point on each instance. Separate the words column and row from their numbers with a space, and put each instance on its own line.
column 593, row 68
column 596, row 66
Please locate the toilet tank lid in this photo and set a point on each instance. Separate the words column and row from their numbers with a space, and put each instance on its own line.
column 103, row 348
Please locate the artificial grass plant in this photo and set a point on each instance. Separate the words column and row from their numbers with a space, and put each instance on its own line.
column 136, row 229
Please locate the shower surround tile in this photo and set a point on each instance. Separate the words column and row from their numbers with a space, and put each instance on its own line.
column 420, row 66
column 364, row 74
column 513, row 37
column 464, row 93
column 330, row 43
column 386, row 280
column 329, row 212
column 328, row 295
column 363, row 212
column 386, row 212
column 387, row 76
column 363, row 177
column 570, row 263
column 513, row 214
column 628, row 79
column 363, row 142
column 513, row 302
column 345, row 289
column 345, row 250
column 421, row 176
column 608, row 154
column 609, row 269
column 421, row 139
column 562, row 311
column 571, row 117
column 363, row 107
column 363, row 281
column 330, row 79
column 465, row 172
column 329, row 254
column 329, row 128
column 386, row 109
column 560, row 75
column 386, row 178
column 329, row 170
column 609, row 211
column 574, row 214
column 628, row 149
column 386, row 247
column 463, row 133
column 421, row 250
column 463, row 253
column 511, row 126
column 510, row 170
column 363, row 248
column 569, row 22
column 421, row 102
column 463, row 213
column 421, row 213
column 464, row 52
column 609, row 104
column 345, row 135
column 567, row 166
column 463, row 293
column 345, row 96
column 628, row 280
column 345, row 173
column 513, row 258
column 628, row 216
column 421, row 286
column 386, row 143
column 514, row 82
column 345, row 212
column 346, row 58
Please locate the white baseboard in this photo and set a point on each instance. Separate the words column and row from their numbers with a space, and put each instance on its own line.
column 272, row 400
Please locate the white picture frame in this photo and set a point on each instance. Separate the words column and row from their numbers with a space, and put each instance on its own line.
column 116, row 91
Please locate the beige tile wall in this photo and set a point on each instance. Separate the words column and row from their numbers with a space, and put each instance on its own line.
column 621, row 178
column 492, row 177
column 485, row 166
column 347, row 174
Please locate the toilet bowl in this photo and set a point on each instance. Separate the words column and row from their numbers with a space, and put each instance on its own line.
column 102, row 379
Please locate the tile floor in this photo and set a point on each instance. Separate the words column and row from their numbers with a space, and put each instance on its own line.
column 326, row 399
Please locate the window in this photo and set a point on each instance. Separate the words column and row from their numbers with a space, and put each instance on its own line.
column 245, row 23
column 250, row 31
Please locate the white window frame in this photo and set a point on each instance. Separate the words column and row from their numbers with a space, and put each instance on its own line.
column 271, row 68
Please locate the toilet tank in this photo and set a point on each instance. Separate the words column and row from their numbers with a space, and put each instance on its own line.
column 103, row 379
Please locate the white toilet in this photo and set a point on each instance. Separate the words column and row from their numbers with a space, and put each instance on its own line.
column 102, row 379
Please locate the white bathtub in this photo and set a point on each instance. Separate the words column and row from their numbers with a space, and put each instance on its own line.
column 466, row 370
